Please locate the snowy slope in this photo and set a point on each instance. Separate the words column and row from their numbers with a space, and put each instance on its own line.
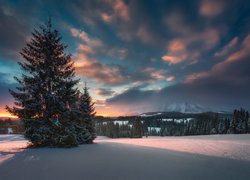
column 228, row 146
column 185, row 108
column 132, row 159
column 150, row 114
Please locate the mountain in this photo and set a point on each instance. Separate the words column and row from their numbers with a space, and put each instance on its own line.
column 185, row 108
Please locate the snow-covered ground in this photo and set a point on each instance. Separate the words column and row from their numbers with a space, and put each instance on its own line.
column 228, row 146
column 10, row 145
column 193, row 157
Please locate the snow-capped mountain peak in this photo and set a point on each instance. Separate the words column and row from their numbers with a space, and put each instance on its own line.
column 185, row 108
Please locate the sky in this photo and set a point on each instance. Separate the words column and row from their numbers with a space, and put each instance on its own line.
column 140, row 55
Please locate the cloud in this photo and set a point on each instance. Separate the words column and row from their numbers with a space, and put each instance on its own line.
column 228, row 48
column 190, row 47
column 242, row 54
column 170, row 78
column 188, row 42
column 189, row 32
column 99, row 103
column 85, row 37
column 181, row 33
column 14, row 28
column 87, row 66
column 106, row 74
column 177, row 45
column 194, row 76
column 231, row 69
column 212, row 94
column 106, row 17
column 113, row 74
column 131, row 30
column 115, row 52
column 211, row 8
column 141, row 32
column 176, row 23
column 5, row 85
column 145, row 35
column 85, row 49
column 104, row 92
column 177, row 51
column 131, row 96
column 174, row 59
column 120, row 8
column 154, row 74
column 224, row 87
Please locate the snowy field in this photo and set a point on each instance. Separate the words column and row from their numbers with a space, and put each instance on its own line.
column 228, row 146
column 193, row 157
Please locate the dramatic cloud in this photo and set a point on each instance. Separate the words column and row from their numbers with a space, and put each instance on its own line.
column 85, row 49
column 107, row 74
column 145, row 35
column 216, row 98
column 243, row 52
column 85, row 37
column 142, row 55
column 120, row 9
column 170, row 78
column 114, row 74
column 226, row 49
column 224, row 87
column 232, row 69
column 115, row 52
column 176, row 23
column 190, row 46
column 106, row 17
column 177, row 51
column 5, row 84
column 211, row 8
column 14, row 29
column 104, row 92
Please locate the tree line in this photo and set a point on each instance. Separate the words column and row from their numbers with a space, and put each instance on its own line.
column 134, row 129
column 199, row 124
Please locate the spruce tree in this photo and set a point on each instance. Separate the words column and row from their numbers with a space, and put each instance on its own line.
column 234, row 122
column 248, row 122
column 137, row 129
column 46, row 96
column 88, row 112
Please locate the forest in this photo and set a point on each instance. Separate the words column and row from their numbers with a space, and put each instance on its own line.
column 174, row 124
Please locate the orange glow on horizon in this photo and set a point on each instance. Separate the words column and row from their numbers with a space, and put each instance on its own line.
column 100, row 112
column 112, row 111
column 110, row 114
column 6, row 114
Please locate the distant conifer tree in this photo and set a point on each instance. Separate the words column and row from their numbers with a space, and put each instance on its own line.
column 137, row 131
column 88, row 112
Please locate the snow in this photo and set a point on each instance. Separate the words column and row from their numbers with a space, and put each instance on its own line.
column 228, row 146
column 185, row 108
column 176, row 120
column 149, row 115
column 121, row 122
column 116, row 122
column 10, row 145
column 156, row 129
column 194, row 157
column 189, row 119
column 167, row 120
column 102, row 138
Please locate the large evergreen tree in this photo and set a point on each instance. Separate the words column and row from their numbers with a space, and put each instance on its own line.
column 46, row 97
column 88, row 112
